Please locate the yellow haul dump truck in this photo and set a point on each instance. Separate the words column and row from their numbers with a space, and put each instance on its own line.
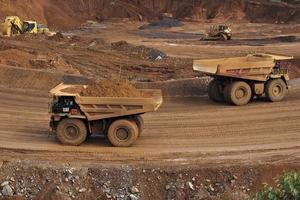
column 74, row 117
column 237, row 80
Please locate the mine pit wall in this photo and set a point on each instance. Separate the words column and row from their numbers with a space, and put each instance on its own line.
column 65, row 14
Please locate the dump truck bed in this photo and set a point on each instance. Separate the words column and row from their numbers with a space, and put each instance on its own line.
column 96, row 108
column 252, row 67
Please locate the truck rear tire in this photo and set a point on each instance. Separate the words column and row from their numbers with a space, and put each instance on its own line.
column 138, row 119
column 214, row 91
column 276, row 90
column 227, row 93
column 71, row 132
column 238, row 93
column 123, row 133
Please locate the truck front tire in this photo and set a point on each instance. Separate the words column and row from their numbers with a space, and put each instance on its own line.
column 238, row 93
column 123, row 133
column 275, row 90
column 71, row 131
column 214, row 91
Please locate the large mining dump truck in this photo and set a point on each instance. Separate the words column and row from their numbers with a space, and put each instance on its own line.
column 75, row 117
column 238, row 80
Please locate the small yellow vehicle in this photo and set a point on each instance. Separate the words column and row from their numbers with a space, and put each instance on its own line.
column 13, row 25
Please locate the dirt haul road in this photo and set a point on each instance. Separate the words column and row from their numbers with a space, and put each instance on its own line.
column 185, row 130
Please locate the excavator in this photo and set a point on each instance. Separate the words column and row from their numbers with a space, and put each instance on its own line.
column 13, row 25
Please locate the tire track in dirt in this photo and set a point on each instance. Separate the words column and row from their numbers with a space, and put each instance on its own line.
column 183, row 130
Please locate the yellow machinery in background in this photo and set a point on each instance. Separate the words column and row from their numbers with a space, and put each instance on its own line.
column 13, row 25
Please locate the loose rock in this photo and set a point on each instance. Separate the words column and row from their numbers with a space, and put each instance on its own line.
column 82, row 190
column 191, row 186
column 133, row 197
column 7, row 191
column 134, row 190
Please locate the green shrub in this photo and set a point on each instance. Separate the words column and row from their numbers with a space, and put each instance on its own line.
column 288, row 188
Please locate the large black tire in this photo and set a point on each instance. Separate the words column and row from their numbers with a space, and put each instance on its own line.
column 276, row 90
column 123, row 133
column 215, row 91
column 71, row 131
column 238, row 93
column 227, row 93
column 138, row 119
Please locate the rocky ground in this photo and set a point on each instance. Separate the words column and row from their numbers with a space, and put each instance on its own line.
column 29, row 180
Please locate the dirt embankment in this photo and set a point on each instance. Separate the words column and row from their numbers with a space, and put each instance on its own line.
column 64, row 14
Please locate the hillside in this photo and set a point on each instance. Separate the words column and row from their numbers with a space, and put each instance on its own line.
column 67, row 14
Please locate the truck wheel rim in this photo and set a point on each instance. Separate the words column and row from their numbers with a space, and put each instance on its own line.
column 71, row 132
column 122, row 133
column 277, row 89
column 240, row 93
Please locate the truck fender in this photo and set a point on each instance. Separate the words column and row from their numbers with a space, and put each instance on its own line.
column 258, row 88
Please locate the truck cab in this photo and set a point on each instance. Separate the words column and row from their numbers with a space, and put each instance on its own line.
column 30, row 27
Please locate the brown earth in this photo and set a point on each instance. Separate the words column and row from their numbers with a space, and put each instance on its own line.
column 93, row 58
column 188, row 136
column 294, row 68
column 64, row 14
column 185, row 138
column 108, row 88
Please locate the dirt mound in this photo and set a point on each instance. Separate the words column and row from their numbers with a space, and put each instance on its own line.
column 111, row 88
column 28, row 79
column 33, row 60
column 141, row 51
column 15, row 57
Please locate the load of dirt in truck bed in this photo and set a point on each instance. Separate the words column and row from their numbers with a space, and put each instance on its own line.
column 107, row 88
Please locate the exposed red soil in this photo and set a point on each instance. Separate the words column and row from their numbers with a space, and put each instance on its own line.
column 30, row 79
column 15, row 57
column 64, row 14
column 294, row 69
column 107, row 88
